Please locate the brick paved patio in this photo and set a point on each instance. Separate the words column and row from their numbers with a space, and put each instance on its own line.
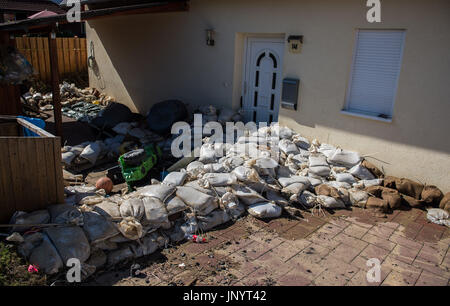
column 312, row 250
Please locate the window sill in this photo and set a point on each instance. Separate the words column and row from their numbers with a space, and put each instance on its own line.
column 360, row 115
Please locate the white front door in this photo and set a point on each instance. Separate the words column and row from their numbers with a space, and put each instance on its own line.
column 262, row 81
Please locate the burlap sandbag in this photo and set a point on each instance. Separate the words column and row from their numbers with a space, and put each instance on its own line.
column 412, row 202
column 372, row 168
column 445, row 202
column 377, row 204
column 404, row 186
column 431, row 195
column 392, row 197
column 327, row 190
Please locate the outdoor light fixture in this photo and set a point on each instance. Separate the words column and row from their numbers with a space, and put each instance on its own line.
column 210, row 37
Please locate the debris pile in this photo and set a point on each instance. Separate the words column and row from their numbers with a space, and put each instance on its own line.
column 228, row 180
column 76, row 103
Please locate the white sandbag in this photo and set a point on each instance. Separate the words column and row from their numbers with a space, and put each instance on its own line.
column 232, row 162
column 283, row 171
column 175, row 205
column 201, row 203
column 338, row 185
column 200, row 186
column 266, row 166
column 194, row 166
column 295, row 188
column 91, row 200
column 308, row 199
column 23, row 218
column 68, row 157
column 286, row 181
column 70, row 241
column 215, row 218
column 345, row 177
column 275, row 197
column 133, row 207
column 92, row 152
column 160, row 191
column 220, row 179
column 46, row 257
column 438, row 216
column 288, row 147
column 80, row 192
column 301, row 142
column 314, row 181
column 31, row 241
column 327, row 150
column 65, row 214
column 175, row 178
column 98, row 228
column 317, row 160
column 367, row 183
column 108, row 209
column 207, row 154
column 358, row 197
column 344, row 158
column 155, row 212
column 264, row 210
column 214, row 168
column 245, row 174
column 321, row 171
column 282, row 132
column 247, row 195
column 122, row 128
column 330, row 202
column 130, row 229
column 230, row 203
column 361, row 172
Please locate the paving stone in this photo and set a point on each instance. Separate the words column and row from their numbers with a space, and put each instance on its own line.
column 402, row 267
column 281, row 225
column 298, row 232
column 260, row 277
column 429, row 234
column 266, row 238
column 356, row 231
column 380, row 242
column 293, row 278
column 313, row 253
column 339, row 267
column 361, row 279
column 373, row 251
column 396, row 278
column 432, row 267
column 301, row 265
column 406, row 242
column 339, row 222
column 254, row 250
column 434, row 252
column 351, row 241
column 344, row 252
column 381, row 231
column 404, row 254
column 430, row 279
column 331, row 278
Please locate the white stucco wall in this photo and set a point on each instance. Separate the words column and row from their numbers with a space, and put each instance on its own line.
column 144, row 59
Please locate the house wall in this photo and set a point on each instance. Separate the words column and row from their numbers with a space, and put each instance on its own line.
column 144, row 59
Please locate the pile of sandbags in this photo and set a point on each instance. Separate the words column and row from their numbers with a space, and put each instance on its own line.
column 90, row 152
column 225, row 182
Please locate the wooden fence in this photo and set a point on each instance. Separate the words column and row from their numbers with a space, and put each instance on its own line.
column 72, row 54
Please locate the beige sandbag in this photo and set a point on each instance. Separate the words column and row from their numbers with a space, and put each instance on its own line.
column 98, row 228
column 133, row 207
column 70, row 241
column 445, row 202
column 155, row 212
column 201, row 203
column 108, row 209
column 130, row 228
column 372, row 168
column 377, row 204
column 46, row 257
column 431, row 195
column 215, row 218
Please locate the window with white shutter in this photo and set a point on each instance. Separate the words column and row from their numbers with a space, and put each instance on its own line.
column 376, row 67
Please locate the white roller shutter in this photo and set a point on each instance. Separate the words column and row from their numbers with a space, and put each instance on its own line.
column 375, row 71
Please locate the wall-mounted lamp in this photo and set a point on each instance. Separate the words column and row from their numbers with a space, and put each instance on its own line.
column 295, row 43
column 210, row 37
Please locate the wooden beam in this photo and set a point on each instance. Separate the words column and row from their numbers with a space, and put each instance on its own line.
column 55, row 83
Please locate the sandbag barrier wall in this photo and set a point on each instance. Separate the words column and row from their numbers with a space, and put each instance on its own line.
column 30, row 171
